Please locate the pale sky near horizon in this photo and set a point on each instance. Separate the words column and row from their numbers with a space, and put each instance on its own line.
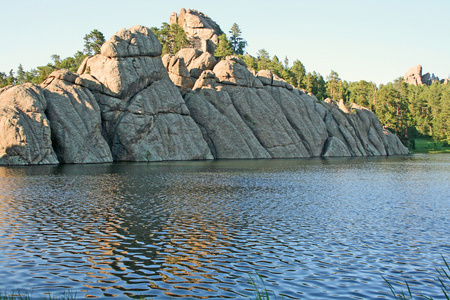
column 372, row 40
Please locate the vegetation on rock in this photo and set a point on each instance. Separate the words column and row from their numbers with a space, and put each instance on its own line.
column 172, row 38
column 223, row 47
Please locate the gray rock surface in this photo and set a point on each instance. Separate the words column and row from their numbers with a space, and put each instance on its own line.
column 74, row 120
column 226, row 132
column 144, row 115
column 231, row 102
column 154, row 125
column 25, row 136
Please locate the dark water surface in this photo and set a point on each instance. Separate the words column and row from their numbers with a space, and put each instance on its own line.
column 312, row 228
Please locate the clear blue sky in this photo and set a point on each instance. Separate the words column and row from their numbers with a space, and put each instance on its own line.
column 375, row 40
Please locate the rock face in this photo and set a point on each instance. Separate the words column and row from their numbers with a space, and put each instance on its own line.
column 201, row 30
column 129, row 104
column 75, row 120
column 144, row 116
column 25, row 137
column 246, row 116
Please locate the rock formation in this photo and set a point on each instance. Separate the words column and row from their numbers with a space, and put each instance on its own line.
column 414, row 76
column 201, row 30
column 144, row 116
column 246, row 116
column 129, row 104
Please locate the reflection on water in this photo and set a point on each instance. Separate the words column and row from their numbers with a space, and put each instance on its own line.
column 312, row 228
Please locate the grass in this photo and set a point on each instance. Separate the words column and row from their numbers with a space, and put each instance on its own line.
column 19, row 294
column 261, row 291
column 442, row 279
column 429, row 146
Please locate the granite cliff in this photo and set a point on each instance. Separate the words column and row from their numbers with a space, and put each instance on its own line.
column 130, row 104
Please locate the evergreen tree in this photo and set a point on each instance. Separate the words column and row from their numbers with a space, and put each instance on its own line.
column 223, row 47
column 93, row 42
column 21, row 75
column 362, row 93
column 310, row 83
column 298, row 74
column 286, row 62
column 321, row 93
column 172, row 38
column 386, row 106
column 237, row 43
column 263, row 59
column 335, row 89
column 250, row 61
column 6, row 80
column 276, row 66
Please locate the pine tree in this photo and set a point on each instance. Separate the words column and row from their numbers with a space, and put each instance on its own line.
column 93, row 42
column 263, row 59
column 298, row 73
column 237, row 43
column 223, row 47
column 172, row 38
column 335, row 88
column 21, row 75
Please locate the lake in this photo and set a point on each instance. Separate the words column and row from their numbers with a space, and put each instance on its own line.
column 311, row 228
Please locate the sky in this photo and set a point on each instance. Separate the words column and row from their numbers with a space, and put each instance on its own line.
column 377, row 40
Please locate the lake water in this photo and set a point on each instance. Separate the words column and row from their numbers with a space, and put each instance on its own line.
column 312, row 228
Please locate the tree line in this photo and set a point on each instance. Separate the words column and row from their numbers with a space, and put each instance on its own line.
column 409, row 111
column 93, row 41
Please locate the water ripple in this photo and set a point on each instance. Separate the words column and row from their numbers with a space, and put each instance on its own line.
column 311, row 229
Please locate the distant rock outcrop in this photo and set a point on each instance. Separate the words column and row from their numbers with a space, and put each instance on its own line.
column 414, row 76
column 129, row 104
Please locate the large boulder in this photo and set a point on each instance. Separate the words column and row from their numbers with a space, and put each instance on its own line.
column 25, row 136
column 129, row 62
column 232, row 71
column 136, row 41
column 74, row 120
column 197, row 61
column 179, row 73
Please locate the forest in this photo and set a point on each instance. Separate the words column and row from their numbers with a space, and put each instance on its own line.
column 410, row 111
